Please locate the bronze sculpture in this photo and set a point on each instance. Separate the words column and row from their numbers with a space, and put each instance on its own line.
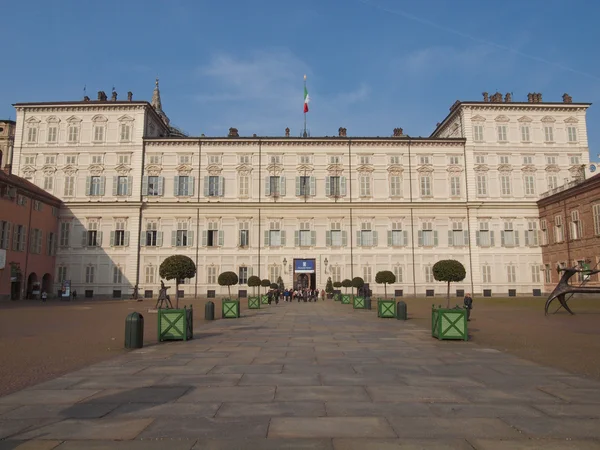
column 563, row 288
column 163, row 297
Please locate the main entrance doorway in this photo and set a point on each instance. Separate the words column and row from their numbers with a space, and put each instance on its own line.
column 304, row 274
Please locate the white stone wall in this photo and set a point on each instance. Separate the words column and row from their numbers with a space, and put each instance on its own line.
column 230, row 158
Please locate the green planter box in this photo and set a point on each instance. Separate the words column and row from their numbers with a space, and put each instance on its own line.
column 264, row 299
column 230, row 309
column 175, row 324
column 386, row 309
column 253, row 303
column 449, row 323
column 337, row 297
column 345, row 299
column 359, row 303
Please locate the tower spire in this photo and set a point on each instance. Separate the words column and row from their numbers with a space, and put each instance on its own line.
column 157, row 104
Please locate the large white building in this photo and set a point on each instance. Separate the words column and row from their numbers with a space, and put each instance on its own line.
column 136, row 190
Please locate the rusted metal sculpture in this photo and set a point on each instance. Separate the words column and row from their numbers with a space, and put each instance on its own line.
column 563, row 288
column 163, row 297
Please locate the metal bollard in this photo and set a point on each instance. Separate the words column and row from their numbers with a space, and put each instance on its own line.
column 134, row 330
column 209, row 311
column 401, row 311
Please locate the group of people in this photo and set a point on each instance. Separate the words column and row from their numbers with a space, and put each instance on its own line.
column 301, row 294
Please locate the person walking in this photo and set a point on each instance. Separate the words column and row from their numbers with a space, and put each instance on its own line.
column 468, row 301
column 44, row 296
column 323, row 294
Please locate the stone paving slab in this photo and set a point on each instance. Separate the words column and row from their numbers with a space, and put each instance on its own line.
column 307, row 376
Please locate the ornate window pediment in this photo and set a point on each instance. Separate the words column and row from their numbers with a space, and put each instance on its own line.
column 74, row 120
column 528, row 168
column 53, row 119
column 153, row 170
column 454, row 169
column 365, row 169
column 395, row 169
column 122, row 169
column 49, row 170
column 125, row 118
column 428, row 168
column 502, row 118
column 33, row 120
column 548, row 119
column 481, row 168
column 335, row 168
column 304, row 168
column 552, row 168
column 571, row 120
column 184, row 169
column 478, row 118
column 505, row 168
column 524, row 119
column 96, row 169
column 99, row 118
column 70, row 169
column 28, row 171
column 214, row 169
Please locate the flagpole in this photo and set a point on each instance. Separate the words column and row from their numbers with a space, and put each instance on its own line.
column 304, row 134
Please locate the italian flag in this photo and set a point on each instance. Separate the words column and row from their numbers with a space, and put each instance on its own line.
column 306, row 99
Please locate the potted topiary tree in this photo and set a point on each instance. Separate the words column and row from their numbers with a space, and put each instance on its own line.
column 357, row 282
column 265, row 283
column 329, row 288
column 449, row 270
column 230, row 308
column 176, row 324
column 385, row 277
column 449, row 323
column 346, row 284
column 177, row 267
column 358, row 301
column 280, row 284
column 254, row 301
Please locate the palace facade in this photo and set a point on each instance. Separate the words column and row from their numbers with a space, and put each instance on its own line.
column 136, row 190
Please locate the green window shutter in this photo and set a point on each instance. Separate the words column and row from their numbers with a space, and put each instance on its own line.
column 127, row 239
column 190, row 238
column 115, row 187
column 267, row 240
column 313, row 238
column 283, row 238
column 375, row 238
column 176, row 186
column 344, row 238
column 420, row 238
column 144, row 185
column 173, row 238
column 478, row 238
column 526, row 237
column 161, row 185
column 297, row 185
column 192, row 186
column 282, row 186
column 390, row 239
column 206, row 185
column 435, row 238
column 129, row 185
column 159, row 239
column 516, row 238
column 343, row 186
column 112, row 238
column 327, row 186
column 502, row 238
column 102, row 185
column 267, row 186
column 88, row 185
column 328, row 238
column 466, row 237
column 296, row 238
column 358, row 239
column 84, row 238
column 99, row 239
column 221, row 186
column 204, row 238
column 221, row 238
column 143, row 239
column 313, row 186
column 450, row 238
column 405, row 233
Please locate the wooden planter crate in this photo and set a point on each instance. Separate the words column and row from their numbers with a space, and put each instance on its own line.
column 449, row 323
column 230, row 309
column 345, row 299
column 337, row 297
column 175, row 324
column 386, row 309
column 264, row 299
column 359, row 303
column 253, row 303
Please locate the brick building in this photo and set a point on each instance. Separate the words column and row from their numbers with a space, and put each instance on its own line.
column 570, row 229
column 28, row 238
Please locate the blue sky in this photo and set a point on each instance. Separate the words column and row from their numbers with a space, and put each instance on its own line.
column 372, row 65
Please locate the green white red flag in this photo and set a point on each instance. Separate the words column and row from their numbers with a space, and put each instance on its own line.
column 306, row 98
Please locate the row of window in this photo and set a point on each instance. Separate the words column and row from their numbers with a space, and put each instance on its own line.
column 275, row 186
column 551, row 160
column 525, row 133
column 14, row 237
column 274, row 272
column 51, row 160
column 274, row 236
column 73, row 131
column 575, row 227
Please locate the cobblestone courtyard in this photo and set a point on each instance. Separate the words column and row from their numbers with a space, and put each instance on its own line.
column 306, row 376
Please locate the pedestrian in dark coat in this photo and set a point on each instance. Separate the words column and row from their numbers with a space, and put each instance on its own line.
column 468, row 301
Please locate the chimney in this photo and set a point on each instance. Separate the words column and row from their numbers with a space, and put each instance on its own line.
column 287, row 132
column 530, row 97
column 342, row 132
column 129, row 96
column 567, row 98
column 233, row 132
column 508, row 98
column 486, row 97
column 538, row 97
column 398, row 132
column 113, row 96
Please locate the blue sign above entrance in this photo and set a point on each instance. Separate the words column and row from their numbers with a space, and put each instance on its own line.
column 304, row 265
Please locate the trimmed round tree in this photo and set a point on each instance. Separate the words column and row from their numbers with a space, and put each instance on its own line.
column 254, row 282
column 177, row 267
column 449, row 270
column 346, row 284
column 274, row 286
column 357, row 282
column 228, row 279
column 385, row 277
column 329, row 286
column 265, row 283
column 337, row 284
